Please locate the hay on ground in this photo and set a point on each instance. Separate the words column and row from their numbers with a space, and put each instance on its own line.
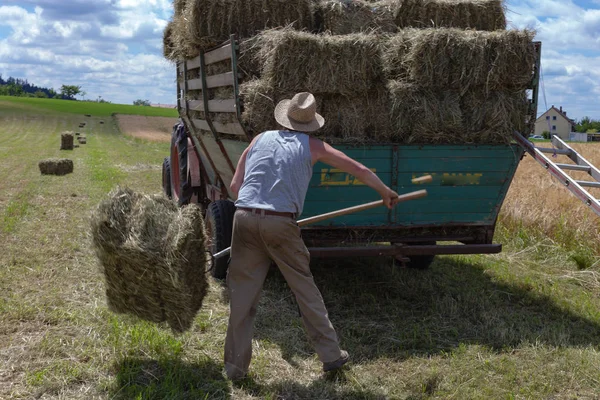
column 483, row 15
column 342, row 17
column 299, row 61
column 152, row 256
column 461, row 60
column 56, row 166
column 66, row 141
column 210, row 22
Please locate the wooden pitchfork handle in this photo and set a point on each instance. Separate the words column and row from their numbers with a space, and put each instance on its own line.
column 318, row 218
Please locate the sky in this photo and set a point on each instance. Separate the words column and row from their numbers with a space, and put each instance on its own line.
column 113, row 48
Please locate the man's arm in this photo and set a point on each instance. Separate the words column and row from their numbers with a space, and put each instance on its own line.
column 323, row 152
column 238, row 177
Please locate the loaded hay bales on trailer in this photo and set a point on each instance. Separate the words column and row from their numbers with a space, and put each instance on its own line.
column 441, row 93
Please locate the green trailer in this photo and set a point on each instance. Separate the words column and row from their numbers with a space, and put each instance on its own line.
column 457, row 217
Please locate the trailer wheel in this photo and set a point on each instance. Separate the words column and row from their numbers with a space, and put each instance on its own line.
column 184, row 188
column 219, row 225
column 166, row 177
column 417, row 262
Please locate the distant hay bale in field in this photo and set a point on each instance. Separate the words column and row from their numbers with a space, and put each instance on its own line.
column 210, row 22
column 356, row 119
column 343, row 17
column 299, row 61
column 153, row 256
column 423, row 116
column 82, row 140
column 461, row 60
column 66, row 141
column 483, row 15
column 56, row 166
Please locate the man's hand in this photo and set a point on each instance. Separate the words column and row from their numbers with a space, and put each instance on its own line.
column 390, row 198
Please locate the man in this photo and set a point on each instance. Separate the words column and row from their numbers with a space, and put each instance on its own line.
column 270, row 182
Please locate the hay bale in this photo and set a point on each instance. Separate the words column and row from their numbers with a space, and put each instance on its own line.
column 66, row 141
column 299, row 61
column 422, row 116
column 179, row 6
column 483, row 15
column 356, row 119
column 169, row 47
column 210, row 22
column 82, row 140
column 56, row 166
column 152, row 256
column 342, row 17
column 461, row 60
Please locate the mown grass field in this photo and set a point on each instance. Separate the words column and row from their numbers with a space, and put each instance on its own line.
column 50, row 106
column 524, row 324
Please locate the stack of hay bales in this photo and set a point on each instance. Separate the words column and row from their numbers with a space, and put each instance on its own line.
column 153, row 257
column 402, row 71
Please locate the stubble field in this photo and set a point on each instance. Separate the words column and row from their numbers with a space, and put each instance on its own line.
column 524, row 324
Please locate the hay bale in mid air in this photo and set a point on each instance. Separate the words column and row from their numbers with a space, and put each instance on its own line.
column 66, row 141
column 304, row 62
column 56, row 166
column 483, row 15
column 343, row 17
column 461, row 60
column 153, row 256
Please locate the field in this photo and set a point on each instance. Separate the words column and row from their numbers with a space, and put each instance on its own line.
column 524, row 324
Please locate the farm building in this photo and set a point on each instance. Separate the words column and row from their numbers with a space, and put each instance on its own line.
column 556, row 122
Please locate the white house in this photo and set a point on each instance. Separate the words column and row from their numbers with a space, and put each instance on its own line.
column 556, row 122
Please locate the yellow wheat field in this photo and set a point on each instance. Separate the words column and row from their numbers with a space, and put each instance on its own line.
column 539, row 201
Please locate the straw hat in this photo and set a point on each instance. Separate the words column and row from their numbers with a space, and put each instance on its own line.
column 299, row 113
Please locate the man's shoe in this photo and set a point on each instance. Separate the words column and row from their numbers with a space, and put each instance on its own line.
column 330, row 366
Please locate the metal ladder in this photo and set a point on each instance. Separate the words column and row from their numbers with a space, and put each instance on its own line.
column 558, row 169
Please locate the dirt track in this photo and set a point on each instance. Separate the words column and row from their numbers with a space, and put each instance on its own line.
column 156, row 129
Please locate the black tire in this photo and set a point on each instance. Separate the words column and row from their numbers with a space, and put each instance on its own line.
column 166, row 177
column 418, row 262
column 182, row 190
column 219, row 225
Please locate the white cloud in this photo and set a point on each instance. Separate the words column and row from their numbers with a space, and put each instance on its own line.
column 112, row 48
column 570, row 35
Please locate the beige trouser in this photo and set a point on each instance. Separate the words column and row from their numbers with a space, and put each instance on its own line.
column 258, row 239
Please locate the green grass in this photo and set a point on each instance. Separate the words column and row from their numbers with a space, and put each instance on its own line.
column 84, row 107
column 524, row 324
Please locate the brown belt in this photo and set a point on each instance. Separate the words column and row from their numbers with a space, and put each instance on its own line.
column 268, row 212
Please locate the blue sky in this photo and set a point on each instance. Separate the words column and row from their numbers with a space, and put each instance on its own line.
column 113, row 48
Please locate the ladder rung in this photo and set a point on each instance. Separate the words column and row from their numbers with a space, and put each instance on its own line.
column 566, row 152
column 573, row 167
column 589, row 184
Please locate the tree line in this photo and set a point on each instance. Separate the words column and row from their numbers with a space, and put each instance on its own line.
column 22, row 88
column 588, row 125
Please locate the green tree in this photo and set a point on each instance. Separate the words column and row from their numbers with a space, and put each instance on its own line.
column 70, row 90
column 546, row 135
column 40, row 94
column 140, row 102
